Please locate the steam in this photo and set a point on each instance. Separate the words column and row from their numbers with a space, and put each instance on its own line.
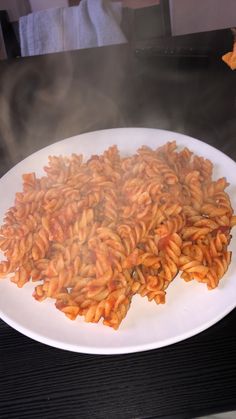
column 49, row 98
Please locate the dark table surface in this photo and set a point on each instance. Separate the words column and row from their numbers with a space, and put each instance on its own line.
column 48, row 98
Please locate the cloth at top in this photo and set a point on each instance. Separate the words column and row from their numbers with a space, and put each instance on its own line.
column 92, row 23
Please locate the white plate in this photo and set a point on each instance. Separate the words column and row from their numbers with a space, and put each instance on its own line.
column 190, row 307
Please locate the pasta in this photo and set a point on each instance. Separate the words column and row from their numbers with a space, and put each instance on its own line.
column 92, row 234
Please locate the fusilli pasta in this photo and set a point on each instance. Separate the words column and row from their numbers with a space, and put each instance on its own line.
column 91, row 234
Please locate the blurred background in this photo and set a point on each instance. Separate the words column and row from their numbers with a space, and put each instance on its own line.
column 140, row 20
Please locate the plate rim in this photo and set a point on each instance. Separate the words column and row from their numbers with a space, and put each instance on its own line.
column 124, row 349
column 111, row 350
column 57, row 142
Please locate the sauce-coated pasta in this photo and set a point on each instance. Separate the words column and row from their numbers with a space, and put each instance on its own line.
column 91, row 234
